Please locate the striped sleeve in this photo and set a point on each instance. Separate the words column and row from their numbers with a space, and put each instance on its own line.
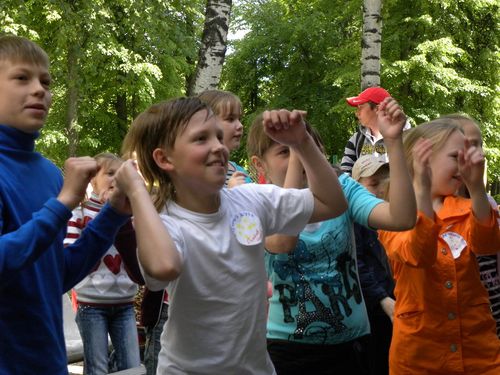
column 74, row 227
column 350, row 156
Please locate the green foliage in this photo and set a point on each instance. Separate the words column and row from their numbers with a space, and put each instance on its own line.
column 297, row 54
column 128, row 54
column 438, row 57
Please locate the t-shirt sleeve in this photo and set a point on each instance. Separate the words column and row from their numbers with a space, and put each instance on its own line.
column 361, row 201
column 176, row 235
column 285, row 211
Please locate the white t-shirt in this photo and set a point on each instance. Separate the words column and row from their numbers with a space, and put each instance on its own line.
column 217, row 312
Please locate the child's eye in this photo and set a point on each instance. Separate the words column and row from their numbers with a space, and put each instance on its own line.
column 46, row 82
column 21, row 77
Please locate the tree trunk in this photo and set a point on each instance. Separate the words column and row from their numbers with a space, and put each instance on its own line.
column 371, row 43
column 213, row 47
column 72, row 95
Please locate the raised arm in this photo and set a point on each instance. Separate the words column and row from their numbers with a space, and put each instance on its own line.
column 22, row 247
column 288, row 128
column 400, row 212
column 281, row 243
column 417, row 247
column 471, row 167
column 156, row 250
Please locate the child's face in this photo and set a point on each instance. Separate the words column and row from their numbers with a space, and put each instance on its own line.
column 375, row 184
column 104, row 178
column 25, row 97
column 444, row 166
column 198, row 160
column 273, row 164
column 232, row 127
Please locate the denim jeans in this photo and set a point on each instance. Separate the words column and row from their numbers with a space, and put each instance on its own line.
column 95, row 323
column 153, row 344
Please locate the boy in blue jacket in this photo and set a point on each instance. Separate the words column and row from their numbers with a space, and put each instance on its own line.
column 35, row 206
column 375, row 274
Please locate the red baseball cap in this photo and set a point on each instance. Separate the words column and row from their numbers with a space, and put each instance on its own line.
column 371, row 94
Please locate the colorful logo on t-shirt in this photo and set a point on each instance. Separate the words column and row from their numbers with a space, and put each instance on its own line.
column 455, row 242
column 247, row 228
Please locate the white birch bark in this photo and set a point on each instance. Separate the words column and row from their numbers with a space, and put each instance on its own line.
column 371, row 43
column 213, row 47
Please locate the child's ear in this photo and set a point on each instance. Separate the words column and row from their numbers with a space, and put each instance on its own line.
column 162, row 159
column 258, row 164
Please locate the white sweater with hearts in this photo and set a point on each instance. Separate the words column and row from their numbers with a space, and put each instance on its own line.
column 108, row 283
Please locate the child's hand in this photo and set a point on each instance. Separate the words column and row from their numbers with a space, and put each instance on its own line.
column 422, row 174
column 77, row 174
column 391, row 119
column 387, row 305
column 127, row 181
column 285, row 127
column 238, row 178
column 471, row 166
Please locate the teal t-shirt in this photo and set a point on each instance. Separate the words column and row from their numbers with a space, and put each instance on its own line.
column 317, row 295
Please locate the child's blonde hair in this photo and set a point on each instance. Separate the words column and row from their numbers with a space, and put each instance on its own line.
column 105, row 159
column 18, row 49
column 158, row 127
column 437, row 131
column 221, row 102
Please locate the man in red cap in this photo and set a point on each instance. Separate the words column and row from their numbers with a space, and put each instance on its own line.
column 367, row 140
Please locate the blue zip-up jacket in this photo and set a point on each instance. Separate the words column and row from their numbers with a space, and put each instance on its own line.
column 374, row 270
column 35, row 269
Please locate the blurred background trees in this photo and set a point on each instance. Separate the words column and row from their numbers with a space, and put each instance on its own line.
column 111, row 59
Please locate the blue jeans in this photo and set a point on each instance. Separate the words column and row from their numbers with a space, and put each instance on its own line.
column 153, row 344
column 94, row 324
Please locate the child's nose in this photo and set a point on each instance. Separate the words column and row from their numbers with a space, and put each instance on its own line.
column 38, row 88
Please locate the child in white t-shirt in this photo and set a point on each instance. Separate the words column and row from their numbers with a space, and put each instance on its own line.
column 207, row 246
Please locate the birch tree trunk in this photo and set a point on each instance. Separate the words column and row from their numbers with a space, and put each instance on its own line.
column 213, row 47
column 371, row 43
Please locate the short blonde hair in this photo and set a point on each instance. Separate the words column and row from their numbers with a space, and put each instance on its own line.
column 18, row 49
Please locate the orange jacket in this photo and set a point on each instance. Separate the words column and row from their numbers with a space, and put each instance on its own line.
column 442, row 319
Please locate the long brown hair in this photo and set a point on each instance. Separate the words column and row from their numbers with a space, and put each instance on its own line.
column 158, row 127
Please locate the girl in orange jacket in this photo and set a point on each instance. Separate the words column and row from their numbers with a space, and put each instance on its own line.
column 442, row 321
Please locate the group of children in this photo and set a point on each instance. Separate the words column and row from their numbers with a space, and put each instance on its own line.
column 214, row 248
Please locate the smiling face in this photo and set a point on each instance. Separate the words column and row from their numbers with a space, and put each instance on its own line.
column 197, row 162
column 230, row 120
column 25, row 97
column 444, row 166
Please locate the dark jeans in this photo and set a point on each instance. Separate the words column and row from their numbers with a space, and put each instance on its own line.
column 153, row 345
column 290, row 358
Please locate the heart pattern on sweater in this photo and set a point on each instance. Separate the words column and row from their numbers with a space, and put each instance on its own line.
column 113, row 262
